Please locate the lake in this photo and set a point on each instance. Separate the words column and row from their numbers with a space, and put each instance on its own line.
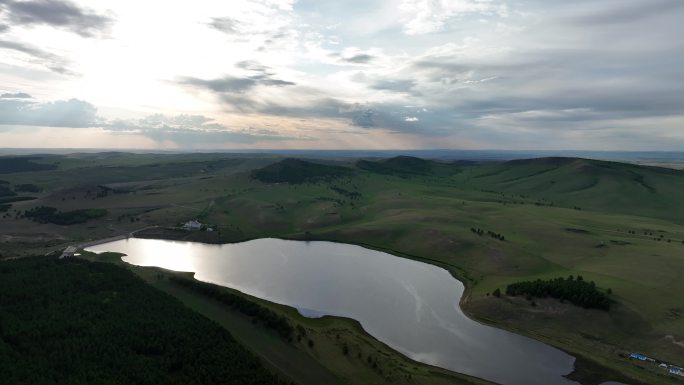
column 411, row 306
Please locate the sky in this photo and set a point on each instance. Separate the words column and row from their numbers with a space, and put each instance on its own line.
column 317, row 74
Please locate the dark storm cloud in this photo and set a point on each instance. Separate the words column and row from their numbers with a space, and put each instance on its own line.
column 61, row 113
column 38, row 56
column 56, row 13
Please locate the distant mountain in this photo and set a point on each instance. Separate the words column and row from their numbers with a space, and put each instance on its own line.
column 592, row 184
column 292, row 170
column 407, row 166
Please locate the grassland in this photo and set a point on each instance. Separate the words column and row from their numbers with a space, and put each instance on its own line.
column 619, row 225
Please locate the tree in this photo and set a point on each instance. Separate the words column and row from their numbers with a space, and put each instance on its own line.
column 497, row 293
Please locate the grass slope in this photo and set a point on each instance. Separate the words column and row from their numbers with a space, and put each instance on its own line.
column 588, row 184
column 407, row 166
column 298, row 171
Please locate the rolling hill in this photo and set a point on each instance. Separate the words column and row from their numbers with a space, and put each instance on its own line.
column 587, row 184
column 406, row 166
column 295, row 171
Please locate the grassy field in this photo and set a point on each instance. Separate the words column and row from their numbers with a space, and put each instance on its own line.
column 619, row 225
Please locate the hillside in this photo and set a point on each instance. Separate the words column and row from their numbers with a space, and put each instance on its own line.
column 406, row 166
column 295, row 171
column 586, row 184
column 76, row 322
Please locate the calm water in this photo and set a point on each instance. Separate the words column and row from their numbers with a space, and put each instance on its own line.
column 409, row 305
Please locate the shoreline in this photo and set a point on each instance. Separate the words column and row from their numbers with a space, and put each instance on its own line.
column 584, row 368
column 290, row 311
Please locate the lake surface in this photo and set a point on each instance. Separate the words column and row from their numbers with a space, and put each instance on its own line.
column 411, row 306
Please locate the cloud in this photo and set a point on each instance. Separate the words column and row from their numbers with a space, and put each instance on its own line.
column 627, row 12
column 60, row 113
column 362, row 115
column 15, row 95
column 361, row 58
column 240, row 92
column 260, row 75
column 394, row 85
column 38, row 56
column 227, row 84
column 427, row 16
column 495, row 71
column 61, row 14
column 230, row 84
column 266, row 25
column 193, row 130
column 251, row 65
column 185, row 130
column 398, row 119
column 226, row 25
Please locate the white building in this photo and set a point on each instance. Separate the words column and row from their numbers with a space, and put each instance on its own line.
column 192, row 225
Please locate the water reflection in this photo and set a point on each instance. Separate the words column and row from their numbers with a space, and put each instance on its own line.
column 409, row 305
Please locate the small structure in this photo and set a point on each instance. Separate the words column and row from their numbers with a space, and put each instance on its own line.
column 192, row 225
column 210, row 229
column 68, row 252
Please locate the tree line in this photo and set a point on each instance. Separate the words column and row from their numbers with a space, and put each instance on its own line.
column 266, row 316
column 574, row 290
column 492, row 234
column 47, row 214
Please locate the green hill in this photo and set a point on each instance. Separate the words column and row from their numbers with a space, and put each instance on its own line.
column 407, row 166
column 587, row 184
column 294, row 171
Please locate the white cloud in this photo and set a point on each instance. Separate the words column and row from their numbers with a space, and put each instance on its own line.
column 473, row 71
column 426, row 16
